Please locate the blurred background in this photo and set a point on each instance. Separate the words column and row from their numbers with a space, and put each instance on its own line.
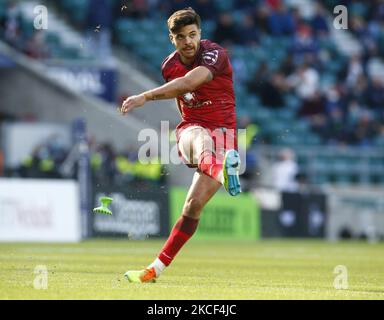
column 310, row 96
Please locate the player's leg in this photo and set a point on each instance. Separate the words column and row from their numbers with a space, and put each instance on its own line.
column 206, row 155
column 202, row 189
column 198, row 148
column 214, row 152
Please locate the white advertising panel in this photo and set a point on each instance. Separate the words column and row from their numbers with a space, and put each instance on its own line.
column 358, row 212
column 39, row 210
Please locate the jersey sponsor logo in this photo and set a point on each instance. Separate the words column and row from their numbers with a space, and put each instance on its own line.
column 211, row 57
column 189, row 100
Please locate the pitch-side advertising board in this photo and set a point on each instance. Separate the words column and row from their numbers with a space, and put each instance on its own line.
column 39, row 210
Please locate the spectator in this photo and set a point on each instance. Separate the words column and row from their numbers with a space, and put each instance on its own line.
column 270, row 90
column 334, row 99
column 298, row 20
column 40, row 164
column 57, row 149
column 287, row 67
column 305, row 82
column 280, row 21
column 379, row 140
column 246, row 5
column 261, row 14
column 354, row 113
column 284, row 171
column 366, row 36
column 125, row 165
column 103, row 161
column 249, row 35
column 269, row 86
column 12, row 31
column 36, row 46
column 314, row 112
column 261, row 75
column 205, row 8
column 304, row 46
column 376, row 10
column 335, row 131
column 273, row 4
column 358, row 91
column 172, row 5
column 319, row 22
column 375, row 95
column 226, row 31
column 365, row 131
column 357, row 26
column 354, row 70
column 358, row 8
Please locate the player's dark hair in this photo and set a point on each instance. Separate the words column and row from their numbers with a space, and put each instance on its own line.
column 182, row 18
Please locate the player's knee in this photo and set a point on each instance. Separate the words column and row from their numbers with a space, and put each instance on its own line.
column 193, row 207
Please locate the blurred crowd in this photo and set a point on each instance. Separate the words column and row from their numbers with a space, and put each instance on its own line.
column 13, row 30
column 52, row 158
column 350, row 110
column 107, row 166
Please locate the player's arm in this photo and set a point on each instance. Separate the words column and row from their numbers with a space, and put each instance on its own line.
column 190, row 82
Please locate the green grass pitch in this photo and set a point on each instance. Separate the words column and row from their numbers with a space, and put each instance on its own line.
column 268, row 269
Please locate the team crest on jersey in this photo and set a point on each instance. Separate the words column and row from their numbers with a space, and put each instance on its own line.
column 210, row 57
column 189, row 97
column 189, row 100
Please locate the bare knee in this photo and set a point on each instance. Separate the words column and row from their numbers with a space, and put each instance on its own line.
column 192, row 208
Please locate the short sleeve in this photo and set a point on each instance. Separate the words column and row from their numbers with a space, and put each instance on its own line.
column 216, row 60
column 165, row 67
column 163, row 72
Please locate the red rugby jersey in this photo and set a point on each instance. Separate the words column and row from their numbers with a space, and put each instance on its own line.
column 212, row 105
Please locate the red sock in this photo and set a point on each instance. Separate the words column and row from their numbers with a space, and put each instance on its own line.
column 209, row 165
column 184, row 228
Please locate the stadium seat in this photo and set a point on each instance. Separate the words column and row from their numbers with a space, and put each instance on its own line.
column 319, row 179
column 224, row 5
column 124, row 29
column 208, row 27
column 292, row 102
column 25, row 25
column 289, row 140
column 53, row 39
column 78, row 9
column 379, row 142
column 2, row 9
column 343, row 179
column 284, row 114
column 261, row 115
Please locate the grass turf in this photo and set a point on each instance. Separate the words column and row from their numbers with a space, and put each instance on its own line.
column 273, row 269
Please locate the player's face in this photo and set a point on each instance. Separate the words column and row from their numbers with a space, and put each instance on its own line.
column 187, row 41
